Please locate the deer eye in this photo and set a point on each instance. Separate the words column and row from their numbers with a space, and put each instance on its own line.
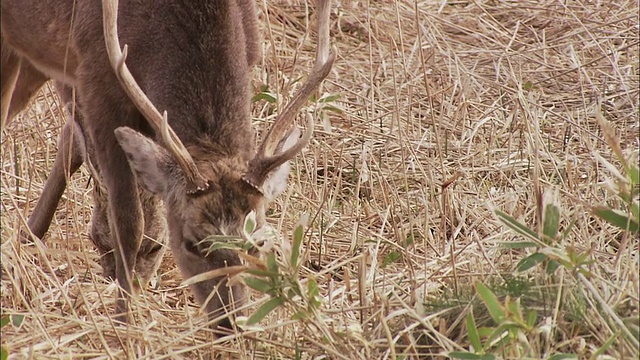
column 191, row 247
column 156, row 248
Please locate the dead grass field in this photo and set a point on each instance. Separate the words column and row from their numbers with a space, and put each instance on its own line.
column 447, row 111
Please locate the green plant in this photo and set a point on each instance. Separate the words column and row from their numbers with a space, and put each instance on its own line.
column 4, row 352
column 515, row 325
column 15, row 320
column 624, row 184
column 277, row 276
column 280, row 279
column 326, row 103
column 549, row 245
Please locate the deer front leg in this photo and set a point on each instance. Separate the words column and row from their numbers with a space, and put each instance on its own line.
column 69, row 158
column 103, row 112
column 126, row 220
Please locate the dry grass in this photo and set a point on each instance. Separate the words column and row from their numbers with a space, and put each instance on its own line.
column 497, row 99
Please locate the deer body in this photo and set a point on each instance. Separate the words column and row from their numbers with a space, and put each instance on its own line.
column 191, row 59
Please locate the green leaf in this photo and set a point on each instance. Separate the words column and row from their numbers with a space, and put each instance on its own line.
column 612, row 169
column 314, row 294
column 409, row 240
column 624, row 195
column 298, row 233
column 499, row 332
column 567, row 231
column 551, row 221
column 4, row 353
column 214, row 239
column 491, row 302
column 530, row 261
column 330, row 98
column 634, row 175
column 560, row 255
column 603, row 349
column 258, row 284
column 514, row 308
column 563, row 356
column 263, row 273
column 516, row 226
column 532, row 316
column 518, row 244
column 247, row 247
column 616, row 218
column 222, row 246
column 264, row 310
column 583, row 258
column 271, row 263
column 635, row 211
column 468, row 356
column 552, row 266
column 334, row 109
column 485, row 331
column 4, row 320
column 391, row 258
column 266, row 96
column 250, row 223
column 300, row 315
column 17, row 320
column 472, row 329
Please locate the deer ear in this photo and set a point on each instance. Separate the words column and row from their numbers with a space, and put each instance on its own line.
column 276, row 182
column 147, row 160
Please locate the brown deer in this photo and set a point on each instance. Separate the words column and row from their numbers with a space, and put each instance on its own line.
column 190, row 59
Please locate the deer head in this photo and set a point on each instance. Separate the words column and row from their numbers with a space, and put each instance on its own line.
column 207, row 189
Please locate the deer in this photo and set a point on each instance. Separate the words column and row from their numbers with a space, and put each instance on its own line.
column 166, row 121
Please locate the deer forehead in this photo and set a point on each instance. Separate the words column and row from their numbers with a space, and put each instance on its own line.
column 227, row 201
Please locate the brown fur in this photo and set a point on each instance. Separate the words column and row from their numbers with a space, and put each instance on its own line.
column 192, row 59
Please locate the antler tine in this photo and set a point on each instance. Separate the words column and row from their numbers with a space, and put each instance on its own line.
column 265, row 160
column 323, row 63
column 195, row 181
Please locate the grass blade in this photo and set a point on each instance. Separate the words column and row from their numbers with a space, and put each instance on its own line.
column 264, row 310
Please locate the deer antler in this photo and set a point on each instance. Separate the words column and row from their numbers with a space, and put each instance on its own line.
column 266, row 160
column 194, row 180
